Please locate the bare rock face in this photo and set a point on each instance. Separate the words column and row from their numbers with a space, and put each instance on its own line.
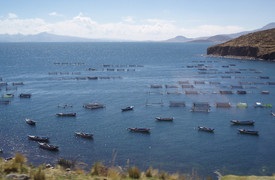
column 258, row 45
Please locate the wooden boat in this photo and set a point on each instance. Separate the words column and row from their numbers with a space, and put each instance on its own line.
column 93, row 106
column 66, row 114
column 128, row 108
column 47, row 146
column 8, row 95
column 265, row 92
column 236, row 122
column 24, row 95
column 206, row 129
column 30, row 122
column 164, row 118
column 251, row 132
column 140, row 130
column 38, row 138
column 84, row 135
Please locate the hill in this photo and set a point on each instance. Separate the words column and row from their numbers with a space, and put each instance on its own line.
column 42, row 37
column 178, row 39
column 257, row 45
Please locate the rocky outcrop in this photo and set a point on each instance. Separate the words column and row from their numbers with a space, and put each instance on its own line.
column 258, row 45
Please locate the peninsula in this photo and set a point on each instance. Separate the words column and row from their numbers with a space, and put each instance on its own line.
column 257, row 45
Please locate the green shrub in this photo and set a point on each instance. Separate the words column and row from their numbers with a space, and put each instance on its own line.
column 39, row 175
column 19, row 158
column 99, row 169
column 134, row 172
column 66, row 163
column 149, row 172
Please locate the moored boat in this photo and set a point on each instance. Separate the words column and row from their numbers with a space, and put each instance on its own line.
column 47, row 146
column 8, row 95
column 66, row 114
column 140, row 130
column 25, row 95
column 84, row 135
column 128, row 108
column 237, row 122
column 30, row 122
column 251, row 132
column 164, row 118
column 38, row 138
column 206, row 129
column 93, row 106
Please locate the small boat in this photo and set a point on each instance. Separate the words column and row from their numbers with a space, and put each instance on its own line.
column 251, row 132
column 38, row 138
column 273, row 114
column 24, row 95
column 93, row 106
column 66, row 114
column 64, row 106
column 47, row 146
column 236, row 122
column 8, row 95
column 128, row 108
column 84, row 135
column 1, row 150
column 164, row 118
column 265, row 92
column 30, row 122
column 140, row 130
column 259, row 104
column 206, row 129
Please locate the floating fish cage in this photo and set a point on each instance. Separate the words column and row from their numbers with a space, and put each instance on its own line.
column 183, row 82
column 199, row 82
column 241, row 92
column 177, row 104
column 200, row 107
column 226, row 92
column 191, row 92
column 223, row 105
column 156, row 86
column 171, row 86
column 187, row 86
column 236, row 87
column 242, row 105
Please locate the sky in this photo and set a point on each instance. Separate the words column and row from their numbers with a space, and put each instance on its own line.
column 134, row 19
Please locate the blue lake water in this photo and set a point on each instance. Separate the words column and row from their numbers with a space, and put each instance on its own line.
column 56, row 73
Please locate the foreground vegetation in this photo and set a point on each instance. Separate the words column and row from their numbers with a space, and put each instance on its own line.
column 18, row 168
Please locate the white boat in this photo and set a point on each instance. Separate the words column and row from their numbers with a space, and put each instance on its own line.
column 30, row 122
column 47, row 146
column 84, row 135
column 164, row 118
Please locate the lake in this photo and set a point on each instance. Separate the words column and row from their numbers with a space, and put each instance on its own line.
column 152, row 77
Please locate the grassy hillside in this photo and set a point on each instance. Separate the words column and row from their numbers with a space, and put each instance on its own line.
column 259, row 45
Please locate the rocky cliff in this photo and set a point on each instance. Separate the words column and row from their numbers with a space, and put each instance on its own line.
column 258, row 45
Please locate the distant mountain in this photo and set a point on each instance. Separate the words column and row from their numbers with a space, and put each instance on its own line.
column 258, row 45
column 178, row 39
column 42, row 37
column 218, row 38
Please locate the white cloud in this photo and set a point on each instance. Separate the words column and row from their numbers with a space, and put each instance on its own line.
column 12, row 16
column 128, row 19
column 55, row 14
column 128, row 28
